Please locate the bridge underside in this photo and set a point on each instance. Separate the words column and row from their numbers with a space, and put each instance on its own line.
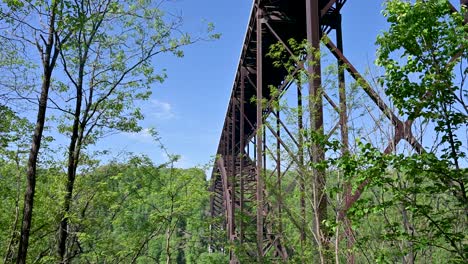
column 245, row 213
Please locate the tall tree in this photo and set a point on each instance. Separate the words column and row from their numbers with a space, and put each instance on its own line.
column 109, row 66
column 47, row 36
column 425, row 55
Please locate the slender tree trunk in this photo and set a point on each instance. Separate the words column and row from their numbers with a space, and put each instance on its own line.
column 76, row 138
column 71, row 176
column 32, row 162
column 9, row 252
column 49, row 57
column 73, row 158
column 74, row 155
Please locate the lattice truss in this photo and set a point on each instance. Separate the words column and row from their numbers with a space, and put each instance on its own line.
column 262, row 144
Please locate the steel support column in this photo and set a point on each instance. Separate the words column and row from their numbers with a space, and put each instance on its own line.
column 316, row 118
column 259, row 145
column 242, row 153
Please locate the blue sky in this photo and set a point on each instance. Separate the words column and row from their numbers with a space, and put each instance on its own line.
column 188, row 109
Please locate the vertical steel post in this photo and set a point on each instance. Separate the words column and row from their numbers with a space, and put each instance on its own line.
column 316, row 116
column 241, row 156
column 259, row 17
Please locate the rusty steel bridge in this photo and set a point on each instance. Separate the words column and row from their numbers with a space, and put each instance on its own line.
column 239, row 200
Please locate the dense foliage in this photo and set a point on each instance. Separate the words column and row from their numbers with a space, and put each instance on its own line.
column 130, row 211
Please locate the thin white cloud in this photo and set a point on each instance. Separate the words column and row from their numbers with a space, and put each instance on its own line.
column 160, row 110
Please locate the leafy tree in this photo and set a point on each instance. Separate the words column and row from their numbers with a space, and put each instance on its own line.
column 106, row 50
column 421, row 198
column 46, row 38
column 424, row 53
column 138, row 212
column 109, row 64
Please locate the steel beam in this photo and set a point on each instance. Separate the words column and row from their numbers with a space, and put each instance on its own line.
column 259, row 146
column 316, row 120
column 242, row 153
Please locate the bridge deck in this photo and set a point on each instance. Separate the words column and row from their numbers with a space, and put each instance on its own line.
column 287, row 18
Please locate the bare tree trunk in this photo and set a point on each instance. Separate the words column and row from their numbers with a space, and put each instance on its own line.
column 71, row 176
column 49, row 57
column 9, row 253
column 73, row 159
column 31, row 174
column 78, row 128
column 337, row 239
